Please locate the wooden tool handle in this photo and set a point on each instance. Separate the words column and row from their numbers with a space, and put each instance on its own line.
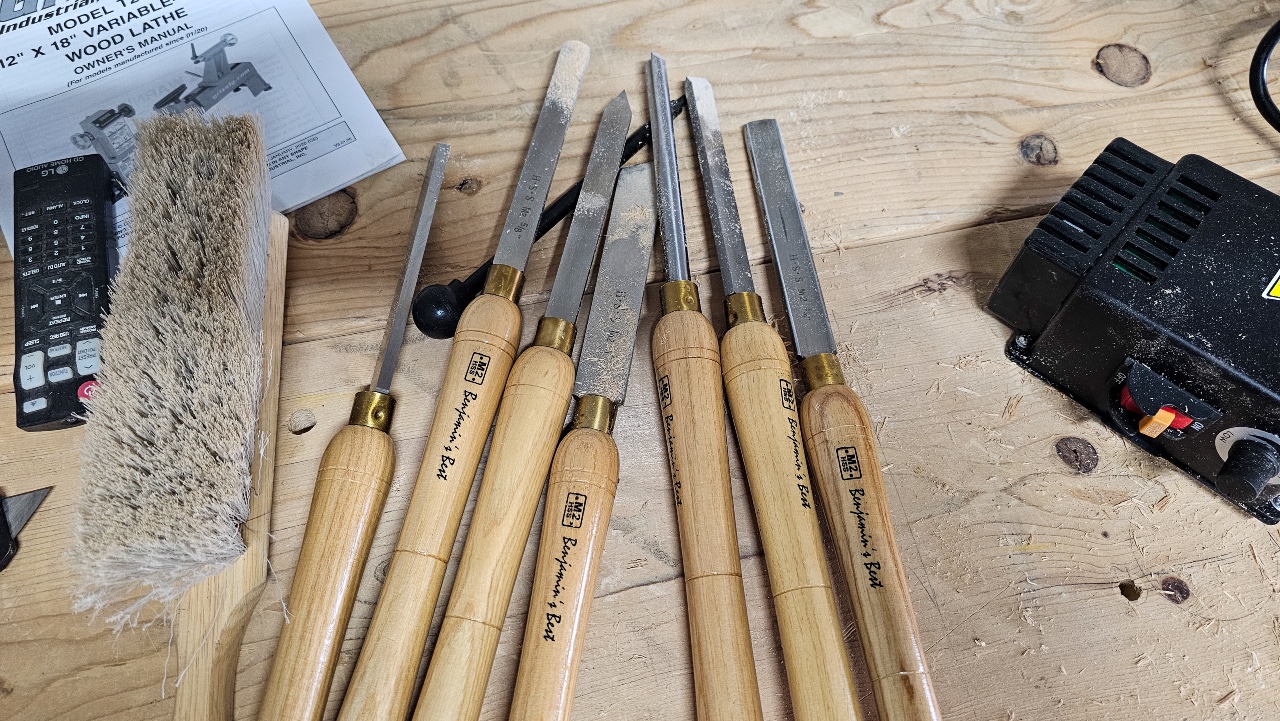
column 762, row 398
column 584, row 479
column 351, row 487
column 213, row 615
column 841, row 444
column 484, row 348
column 686, row 363
column 524, row 439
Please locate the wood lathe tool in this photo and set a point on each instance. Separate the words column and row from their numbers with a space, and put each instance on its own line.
column 351, row 487
column 758, row 381
column 840, row 440
column 686, row 366
column 483, row 351
column 584, row 475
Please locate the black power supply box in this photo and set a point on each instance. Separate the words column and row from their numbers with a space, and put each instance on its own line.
column 1151, row 295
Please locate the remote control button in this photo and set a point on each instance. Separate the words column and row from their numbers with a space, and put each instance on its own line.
column 57, row 302
column 29, row 228
column 86, row 330
column 55, row 222
column 82, row 203
column 82, row 217
column 58, row 243
column 84, row 248
column 55, row 207
column 58, row 232
column 61, row 335
column 87, row 356
column 87, row 389
column 60, row 350
column 30, row 343
column 31, row 370
column 55, row 281
column 28, row 250
column 82, row 261
column 56, row 319
column 82, row 295
column 30, row 239
column 84, row 230
column 32, row 260
column 58, row 375
column 33, row 304
column 28, row 213
column 31, row 272
column 88, row 237
column 55, row 267
column 35, row 404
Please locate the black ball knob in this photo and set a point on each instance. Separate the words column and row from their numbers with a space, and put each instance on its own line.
column 1251, row 463
column 436, row 310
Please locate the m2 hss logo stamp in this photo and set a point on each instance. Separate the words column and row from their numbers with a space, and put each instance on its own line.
column 850, row 468
column 575, row 508
column 788, row 394
column 477, row 368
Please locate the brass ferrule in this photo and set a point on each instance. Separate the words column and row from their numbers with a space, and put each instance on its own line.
column 821, row 370
column 594, row 412
column 373, row 409
column 555, row 333
column 504, row 280
column 742, row 308
column 679, row 295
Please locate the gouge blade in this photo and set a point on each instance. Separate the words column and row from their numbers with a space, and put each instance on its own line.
column 540, row 160
column 393, row 337
column 589, row 215
column 605, row 362
column 792, row 255
column 666, row 174
column 726, row 226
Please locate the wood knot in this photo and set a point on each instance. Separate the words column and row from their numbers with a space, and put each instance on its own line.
column 301, row 422
column 1175, row 589
column 1130, row 590
column 380, row 571
column 327, row 216
column 1123, row 65
column 469, row 186
column 1077, row 453
column 1038, row 149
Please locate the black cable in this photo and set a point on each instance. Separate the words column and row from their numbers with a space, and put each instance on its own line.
column 1258, row 77
column 437, row 308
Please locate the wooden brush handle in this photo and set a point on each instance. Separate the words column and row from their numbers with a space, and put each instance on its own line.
column 580, row 491
column 484, row 348
column 841, row 444
column 758, row 379
column 355, row 473
column 213, row 615
column 686, row 364
column 524, row 440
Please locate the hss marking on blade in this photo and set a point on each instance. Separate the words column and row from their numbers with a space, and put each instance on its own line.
column 791, row 250
column 589, row 215
column 605, row 362
column 540, row 160
column 393, row 337
column 726, row 226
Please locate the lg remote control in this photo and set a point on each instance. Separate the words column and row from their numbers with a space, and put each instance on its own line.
column 64, row 253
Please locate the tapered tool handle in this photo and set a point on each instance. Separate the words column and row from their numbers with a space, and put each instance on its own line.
column 841, row 444
column 479, row 363
column 686, row 363
column 758, row 380
column 355, row 473
column 524, row 439
column 580, row 491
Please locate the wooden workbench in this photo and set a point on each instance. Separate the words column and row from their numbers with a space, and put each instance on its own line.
column 927, row 138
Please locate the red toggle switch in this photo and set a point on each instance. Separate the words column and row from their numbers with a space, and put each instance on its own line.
column 1155, row 425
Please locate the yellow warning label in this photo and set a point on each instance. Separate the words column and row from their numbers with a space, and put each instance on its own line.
column 1273, row 289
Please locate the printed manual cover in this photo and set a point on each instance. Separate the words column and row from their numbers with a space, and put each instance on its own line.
column 76, row 75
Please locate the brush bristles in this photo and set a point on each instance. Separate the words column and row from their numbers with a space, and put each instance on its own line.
column 172, row 427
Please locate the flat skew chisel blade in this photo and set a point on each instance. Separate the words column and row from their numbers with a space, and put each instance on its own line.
column 592, row 209
column 726, row 226
column 605, row 362
column 791, row 250
column 393, row 337
column 540, row 160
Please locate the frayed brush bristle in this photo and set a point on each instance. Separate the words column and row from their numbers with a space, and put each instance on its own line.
column 172, row 427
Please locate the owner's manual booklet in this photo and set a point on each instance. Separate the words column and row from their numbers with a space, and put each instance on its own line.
column 77, row 75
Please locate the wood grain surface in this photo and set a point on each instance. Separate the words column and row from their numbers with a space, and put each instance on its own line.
column 927, row 138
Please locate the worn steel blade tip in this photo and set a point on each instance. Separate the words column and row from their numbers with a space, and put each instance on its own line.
column 666, row 172
column 583, row 240
column 605, row 362
column 521, row 225
column 20, row 508
column 722, row 206
column 393, row 336
column 792, row 254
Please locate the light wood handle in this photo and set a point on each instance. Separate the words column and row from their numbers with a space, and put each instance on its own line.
column 355, row 473
column 841, row 444
column 524, row 439
column 686, row 362
column 575, row 523
column 480, row 360
column 213, row 615
column 758, row 380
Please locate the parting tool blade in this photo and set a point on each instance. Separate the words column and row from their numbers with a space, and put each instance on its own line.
column 726, row 227
column 540, row 160
column 393, row 337
column 591, row 211
column 605, row 362
column 791, row 251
